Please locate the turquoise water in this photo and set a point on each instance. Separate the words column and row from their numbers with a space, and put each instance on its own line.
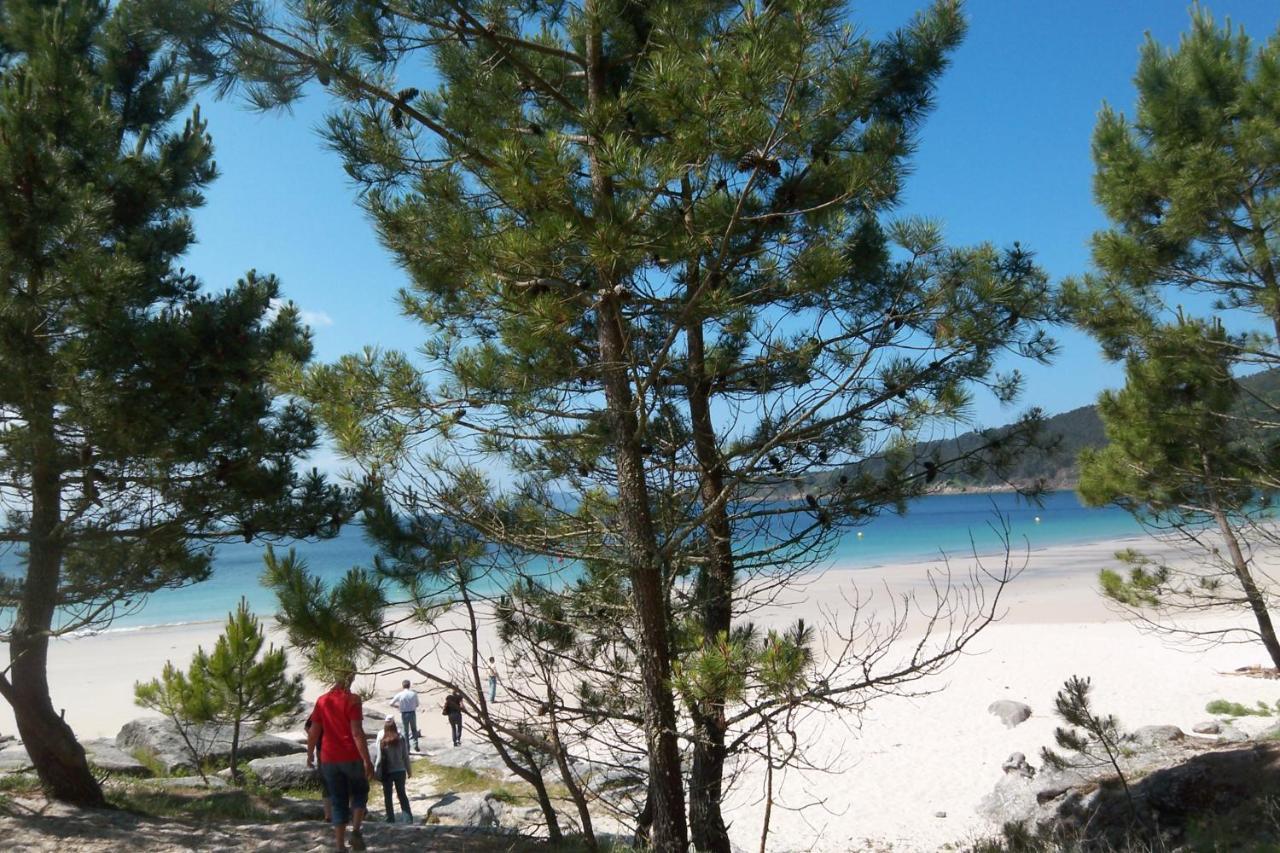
column 934, row 524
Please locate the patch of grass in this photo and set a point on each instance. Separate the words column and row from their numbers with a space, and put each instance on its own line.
column 505, row 794
column 206, row 806
column 1225, row 708
column 458, row 779
column 148, row 760
column 20, row 783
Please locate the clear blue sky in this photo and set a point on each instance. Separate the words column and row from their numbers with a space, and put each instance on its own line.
column 1004, row 157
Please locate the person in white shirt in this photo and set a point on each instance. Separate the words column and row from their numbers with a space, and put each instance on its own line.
column 406, row 702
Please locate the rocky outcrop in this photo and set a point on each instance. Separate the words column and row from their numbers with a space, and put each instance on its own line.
column 479, row 810
column 1208, row 727
column 103, row 754
column 480, row 757
column 1172, row 782
column 160, row 738
column 1156, row 735
column 1011, row 713
column 285, row 771
column 1017, row 763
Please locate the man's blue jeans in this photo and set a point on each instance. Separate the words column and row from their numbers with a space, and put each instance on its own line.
column 409, row 719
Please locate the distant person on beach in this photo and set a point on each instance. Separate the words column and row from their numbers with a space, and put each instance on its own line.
column 324, row 789
column 393, row 767
column 493, row 681
column 453, row 710
column 344, row 758
column 406, row 702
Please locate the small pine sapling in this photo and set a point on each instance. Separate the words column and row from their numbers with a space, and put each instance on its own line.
column 1094, row 740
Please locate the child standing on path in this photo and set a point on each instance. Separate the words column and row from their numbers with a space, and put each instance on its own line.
column 392, row 765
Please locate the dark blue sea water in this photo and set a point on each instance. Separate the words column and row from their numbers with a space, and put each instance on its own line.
column 953, row 524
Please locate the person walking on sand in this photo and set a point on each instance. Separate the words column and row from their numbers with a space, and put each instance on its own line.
column 391, row 761
column 453, row 710
column 344, row 758
column 406, row 702
column 493, row 681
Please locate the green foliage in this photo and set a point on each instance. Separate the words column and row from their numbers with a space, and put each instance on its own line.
column 142, row 416
column 1144, row 584
column 333, row 628
column 238, row 686
column 1190, row 189
column 1188, row 184
column 653, row 251
column 1226, row 708
column 1092, row 740
column 22, row 784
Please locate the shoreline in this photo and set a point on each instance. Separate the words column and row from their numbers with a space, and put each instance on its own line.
column 880, row 777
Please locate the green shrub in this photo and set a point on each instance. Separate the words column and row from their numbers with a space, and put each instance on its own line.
column 1225, row 708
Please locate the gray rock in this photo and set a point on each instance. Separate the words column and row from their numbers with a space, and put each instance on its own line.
column 284, row 771
column 479, row 810
column 1020, row 798
column 1017, row 763
column 1230, row 734
column 160, row 738
column 7, row 739
column 187, row 782
column 939, row 814
column 479, row 757
column 105, row 755
column 1156, row 735
column 1208, row 727
column 14, row 759
column 1011, row 713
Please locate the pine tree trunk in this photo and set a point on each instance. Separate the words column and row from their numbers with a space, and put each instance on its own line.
column 706, row 823
column 235, row 749
column 59, row 760
column 669, row 831
column 1253, row 595
column 648, row 590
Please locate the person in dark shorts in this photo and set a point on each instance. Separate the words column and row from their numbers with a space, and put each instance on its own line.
column 453, row 710
column 344, row 758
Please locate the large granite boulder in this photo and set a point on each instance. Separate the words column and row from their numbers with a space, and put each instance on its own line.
column 1011, row 713
column 285, row 771
column 183, row 782
column 479, row 810
column 480, row 757
column 1156, row 735
column 105, row 755
column 160, row 738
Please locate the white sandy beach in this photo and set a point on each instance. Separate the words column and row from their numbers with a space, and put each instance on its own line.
column 893, row 772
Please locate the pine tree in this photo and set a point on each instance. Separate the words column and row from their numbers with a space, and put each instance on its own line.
column 1189, row 185
column 650, row 246
column 1192, row 191
column 233, row 687
column 1182, row 457
column 138, row 412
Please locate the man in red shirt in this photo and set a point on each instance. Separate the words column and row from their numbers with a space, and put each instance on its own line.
column 344, row 758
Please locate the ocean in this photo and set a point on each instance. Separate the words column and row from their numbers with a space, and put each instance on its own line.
column 933, row 525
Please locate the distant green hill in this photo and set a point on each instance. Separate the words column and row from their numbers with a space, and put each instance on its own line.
column 1074, row 431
